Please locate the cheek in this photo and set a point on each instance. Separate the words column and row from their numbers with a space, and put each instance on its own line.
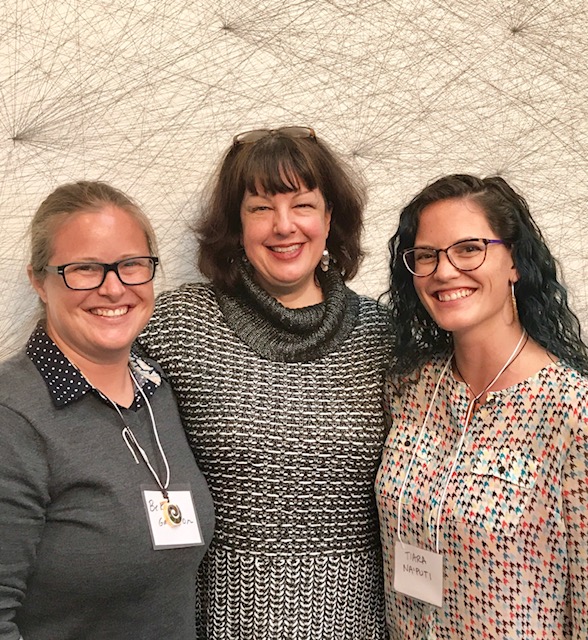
column 251, row 233
column 61, row 309
column 419, row 287
column 149, row 297
column 315, row 228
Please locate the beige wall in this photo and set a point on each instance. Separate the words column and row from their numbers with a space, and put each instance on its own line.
column 147, row 95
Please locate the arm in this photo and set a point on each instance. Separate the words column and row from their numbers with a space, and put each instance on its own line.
column 23, row 497
column 575, row 497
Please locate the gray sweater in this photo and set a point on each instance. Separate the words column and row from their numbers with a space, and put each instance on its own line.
column 76, row 558
column 283, row 412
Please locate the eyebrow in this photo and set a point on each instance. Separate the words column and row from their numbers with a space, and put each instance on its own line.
column 265, row 196
column 125, row 256
column 430, row 246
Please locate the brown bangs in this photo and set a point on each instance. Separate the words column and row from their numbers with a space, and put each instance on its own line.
column 279, row 165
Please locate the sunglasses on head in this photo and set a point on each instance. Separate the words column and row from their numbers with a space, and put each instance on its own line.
column 248, row 137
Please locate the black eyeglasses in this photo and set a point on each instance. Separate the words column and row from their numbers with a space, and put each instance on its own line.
column 82, row 276
column 248, row 137
column 465, row 255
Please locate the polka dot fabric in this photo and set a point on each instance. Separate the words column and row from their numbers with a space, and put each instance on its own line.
column 514, row 523
column 66, row 382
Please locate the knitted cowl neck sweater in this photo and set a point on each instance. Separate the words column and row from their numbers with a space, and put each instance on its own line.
column 281, row 334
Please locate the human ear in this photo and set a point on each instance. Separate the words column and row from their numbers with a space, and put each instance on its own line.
column 328, row 215
column 514, row 277
column 38, row 285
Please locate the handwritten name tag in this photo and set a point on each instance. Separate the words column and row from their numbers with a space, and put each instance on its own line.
column 418, row 573
column 174, row 523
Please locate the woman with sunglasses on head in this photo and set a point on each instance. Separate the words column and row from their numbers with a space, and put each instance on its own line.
column 104, row 514
column 278, row 368
column 483, row 486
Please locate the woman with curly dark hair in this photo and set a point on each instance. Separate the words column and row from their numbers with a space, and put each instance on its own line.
column 482, row 490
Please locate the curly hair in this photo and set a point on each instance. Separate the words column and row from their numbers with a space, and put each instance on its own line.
column 278, row 163
column 542, row 300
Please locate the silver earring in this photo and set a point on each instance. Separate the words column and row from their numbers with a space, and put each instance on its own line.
column 325, row 260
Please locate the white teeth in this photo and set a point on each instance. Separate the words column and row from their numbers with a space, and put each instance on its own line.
column 292, row 247
column 110, row 313
column 454, row 295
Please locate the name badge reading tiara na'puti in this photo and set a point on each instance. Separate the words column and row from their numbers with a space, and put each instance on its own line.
column 418, row 573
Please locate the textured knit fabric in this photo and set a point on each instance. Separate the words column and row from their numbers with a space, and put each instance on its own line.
column 76, row 557
column 289, row 440
column 514, row 529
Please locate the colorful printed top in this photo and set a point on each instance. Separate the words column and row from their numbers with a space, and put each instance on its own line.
column 514, row 525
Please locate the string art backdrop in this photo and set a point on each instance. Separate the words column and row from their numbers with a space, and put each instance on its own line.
column 148, row 94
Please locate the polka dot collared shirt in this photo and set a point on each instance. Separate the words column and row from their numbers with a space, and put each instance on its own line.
column 65, row 381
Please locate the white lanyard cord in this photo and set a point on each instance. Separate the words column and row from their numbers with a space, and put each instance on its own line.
column 471, row 405
column 129, row 437
column 421, row 434
column 469, row 411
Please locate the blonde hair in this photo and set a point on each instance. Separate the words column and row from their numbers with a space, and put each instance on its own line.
column 69, row 199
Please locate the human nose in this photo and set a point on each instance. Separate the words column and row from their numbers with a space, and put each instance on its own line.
column 283, row 221
column 112, row 284
column 445, row 268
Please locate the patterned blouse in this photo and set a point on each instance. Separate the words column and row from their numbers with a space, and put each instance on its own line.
column 514, row 525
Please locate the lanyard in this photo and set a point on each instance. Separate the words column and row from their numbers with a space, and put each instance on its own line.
column 421, row 434
column 468, row 416
column 129, row 438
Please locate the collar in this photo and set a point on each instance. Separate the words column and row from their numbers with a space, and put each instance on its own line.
column 66, row 383
column 281, row 334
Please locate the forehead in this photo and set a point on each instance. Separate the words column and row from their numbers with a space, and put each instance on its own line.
column 447, row 221
column 106, row 215
column 99, row 228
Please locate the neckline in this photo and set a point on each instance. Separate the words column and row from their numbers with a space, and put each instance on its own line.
column 283, row 334
column 478, row 398
column 557, row 364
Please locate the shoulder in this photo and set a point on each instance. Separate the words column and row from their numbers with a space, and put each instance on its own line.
column 188, row 296
column 375, row 314
column 567, row 381
column 24, row 398
column 182, row 317
column 181, row 306
column 369, row 304
column 562, row 396
column 421, row 380
column 16, row 362
column 372, row 337
column 567, row 387
column 18, row 379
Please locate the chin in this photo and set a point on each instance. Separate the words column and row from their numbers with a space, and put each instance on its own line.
column 451, row 325
column 117, row 343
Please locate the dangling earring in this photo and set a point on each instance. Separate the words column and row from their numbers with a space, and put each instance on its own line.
column 325, row 260
column 515, row 310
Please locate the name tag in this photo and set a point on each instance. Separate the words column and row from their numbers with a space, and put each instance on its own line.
column 418, row 573
column 172, row 523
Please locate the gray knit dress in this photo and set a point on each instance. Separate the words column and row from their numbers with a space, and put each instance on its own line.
column 282, row 408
